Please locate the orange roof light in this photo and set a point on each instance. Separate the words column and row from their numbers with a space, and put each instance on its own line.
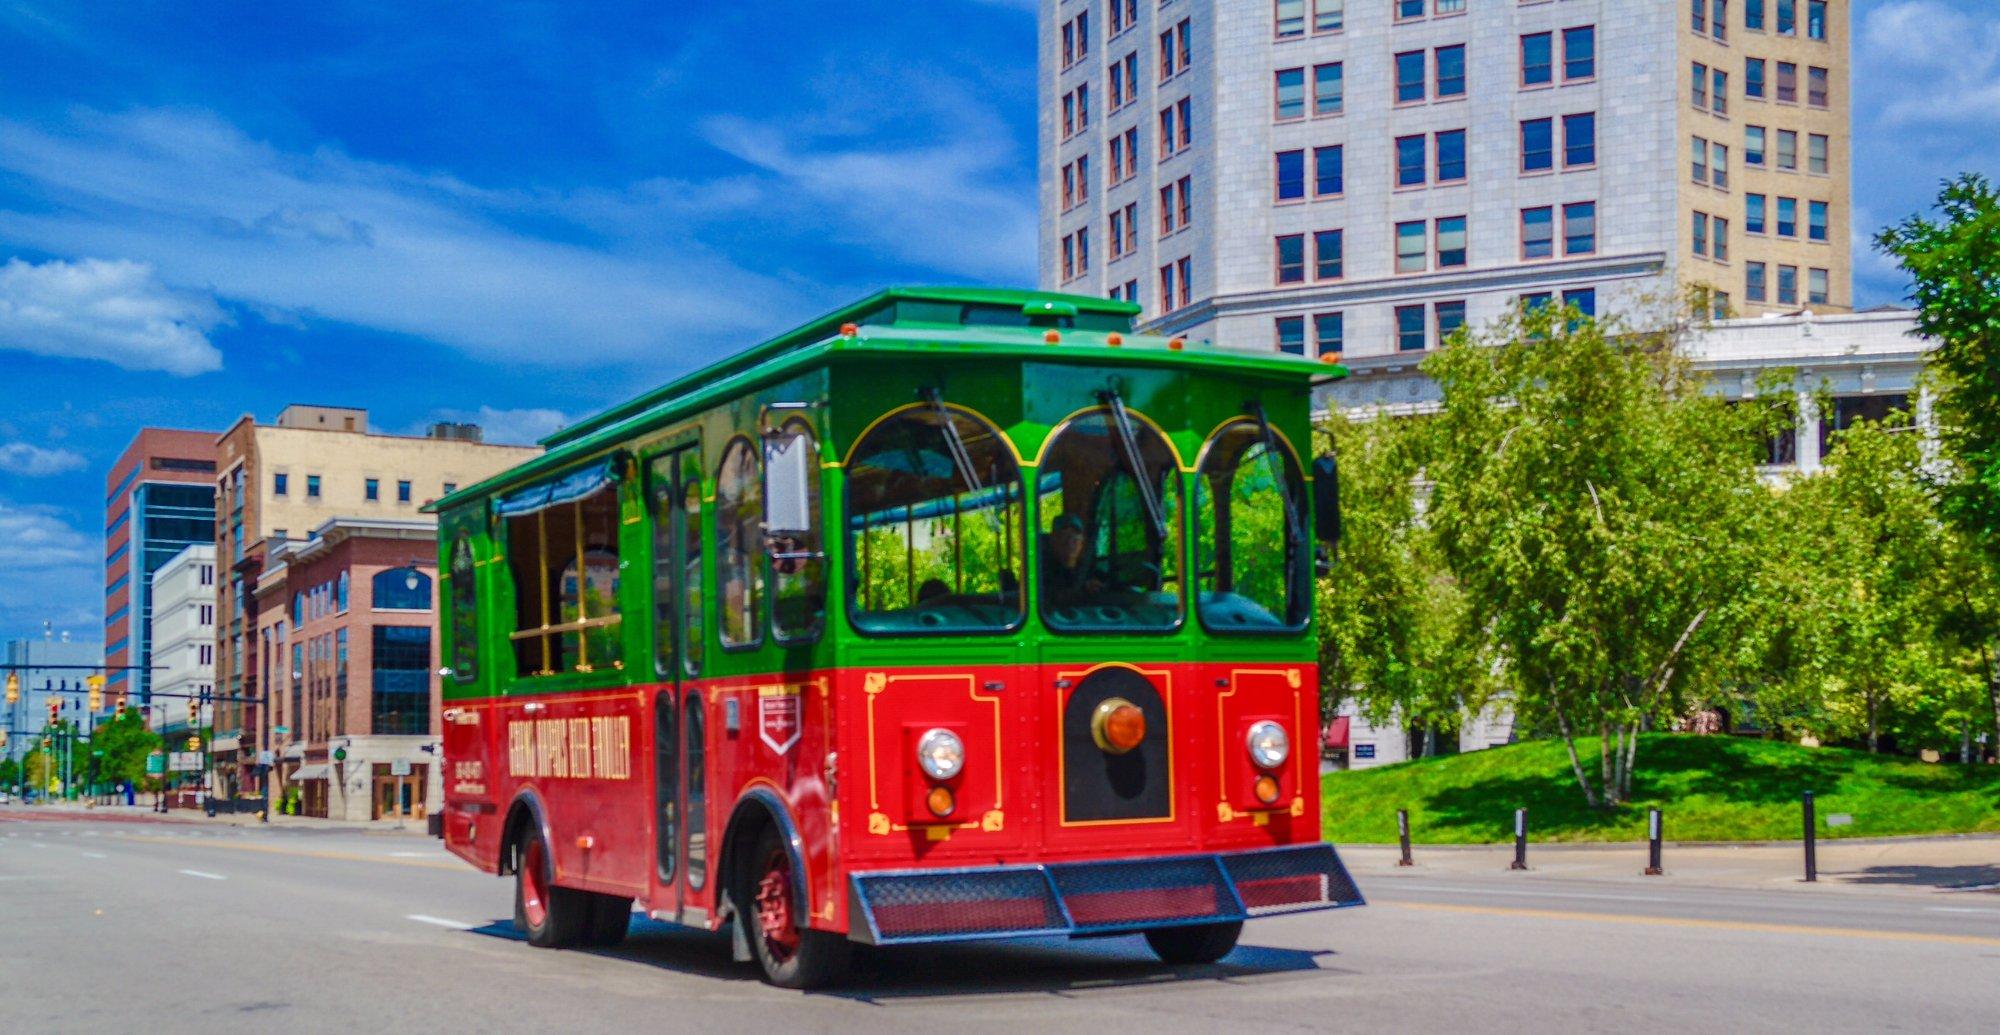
column 1176, row 344
column 848, row 330
column 1117, row 726
column 1329, row 357
column 1053, row 337
column 1114, row 339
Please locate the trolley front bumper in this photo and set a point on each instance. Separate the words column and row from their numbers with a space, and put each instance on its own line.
column 895, row 907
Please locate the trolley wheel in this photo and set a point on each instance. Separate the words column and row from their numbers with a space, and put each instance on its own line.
column 791, row 957
column 1198, row 943
column 610, row 918
column 552, row 917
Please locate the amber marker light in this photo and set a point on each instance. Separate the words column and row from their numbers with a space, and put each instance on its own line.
column 1114, row 339
column 848, row 330
column 1053, row 337
column 1267, row 789
column 1329, row 357
column 1117, row 726
column 940, row 802
column 1176, row 344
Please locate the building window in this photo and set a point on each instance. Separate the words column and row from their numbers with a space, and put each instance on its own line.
column 1410, row 161
column 1753, row 213
column 1816, row 290
column 1700, row 17
column 340, row 589
column 1788, row 217
column 1124, row 14
column 1291, row 175
column 1719, row 95
column 1450, row 7
column 1788, row 17
column 1788, row 285
column 1579, row 140
column 1753, row 14
column 1174, row 206
column 1410, row 77
column 1788, row 82
column 1409, row 9
column 1816, row 87
column 1788, row 150
column 1291, row 94
column 1580, row 228
column 1329, row 262
column 1291, row 18
column 1328, row 330
column 1329, row 15
column 1537, row 145
column 1329, row 89
column 1817, row 219
column 1537, row 59
column 280, row 484
column 450, row 487
column 1450, row 63
column 1292, row 335
column 1409, row 328
column 1583, row 300
column 1174, row 52
column 1699, row 82
column 1451, row 247
column 1329, row 171
column 1698, row 158
column 1753, row 281
column 1168, row 286
column 1701, row 234
column 1291, row 257
column 1718, row 22
column 1753, row 77
column 403, row 491
column 1410, row 247
column 1721, row 240
column 1753, row 145
column 1538, row 233
column 1451, row 156
column 1816, row 19
column 312, row 486
column 1447, row 317
column 1579, row 53
column 1718, row 164
column 398, row 589
column 401, row 700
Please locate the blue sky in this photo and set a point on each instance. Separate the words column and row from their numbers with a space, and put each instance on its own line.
column 519, row 212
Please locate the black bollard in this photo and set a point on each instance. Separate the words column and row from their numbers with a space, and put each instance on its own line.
column 1812, row 853
column 1653, row 843
column 1520, row 840
column 1403, row 836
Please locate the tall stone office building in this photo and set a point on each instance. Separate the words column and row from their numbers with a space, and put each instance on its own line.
column 1362, row 176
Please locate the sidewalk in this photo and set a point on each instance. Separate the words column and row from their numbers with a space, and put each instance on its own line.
column 143, row 813
column 1915, row 865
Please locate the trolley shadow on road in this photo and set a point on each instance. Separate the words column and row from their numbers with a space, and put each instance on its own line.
column 1012, row 966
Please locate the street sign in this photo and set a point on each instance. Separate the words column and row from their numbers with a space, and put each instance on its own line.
column 266, row 758
column 400, row 767
column 185, row 762
column 156, row 764
column 281, row 730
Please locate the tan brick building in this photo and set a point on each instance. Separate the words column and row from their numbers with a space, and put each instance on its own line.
column 285, row 481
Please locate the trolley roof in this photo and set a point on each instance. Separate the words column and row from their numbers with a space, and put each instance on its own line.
column 907, row 321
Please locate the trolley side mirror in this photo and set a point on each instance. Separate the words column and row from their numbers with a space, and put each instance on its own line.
column 788, row 486
column 1326, row 511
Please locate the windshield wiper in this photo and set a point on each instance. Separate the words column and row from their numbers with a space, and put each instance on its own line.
column 1134, row 460
column 1293, row 523
column 953, row 443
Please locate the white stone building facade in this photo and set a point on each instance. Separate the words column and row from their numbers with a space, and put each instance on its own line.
column 183, row 639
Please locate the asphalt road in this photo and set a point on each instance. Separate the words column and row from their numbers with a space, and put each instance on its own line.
column 118, row 926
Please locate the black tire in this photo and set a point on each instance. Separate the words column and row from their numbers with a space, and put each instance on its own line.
column 552, row 917
column 610, row 919
column 789, row 957
column 1199, row 943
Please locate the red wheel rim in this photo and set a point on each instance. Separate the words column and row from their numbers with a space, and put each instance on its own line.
column 774, row 909
column 534, row 885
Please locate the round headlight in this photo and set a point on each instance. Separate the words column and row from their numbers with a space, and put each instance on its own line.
column 940, row 753
column 1269, row 746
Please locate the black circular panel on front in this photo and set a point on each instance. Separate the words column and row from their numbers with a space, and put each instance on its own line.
column 1098, row 785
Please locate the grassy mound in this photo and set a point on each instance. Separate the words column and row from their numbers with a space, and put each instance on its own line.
column 1710, row 789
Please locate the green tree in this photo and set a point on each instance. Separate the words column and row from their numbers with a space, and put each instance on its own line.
column 10, row 772
column 1394, row 636
column 1953, row 259
column 1598, row 509
column 123, row 744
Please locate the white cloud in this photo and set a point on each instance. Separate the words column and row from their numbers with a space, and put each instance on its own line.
column 48, row 571
column 516, row 427
column 33, row 461
column 516, row 275
column 115, row 310
column 1936, row 65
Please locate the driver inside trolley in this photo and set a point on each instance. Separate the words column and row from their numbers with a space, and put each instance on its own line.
column 1110, row 504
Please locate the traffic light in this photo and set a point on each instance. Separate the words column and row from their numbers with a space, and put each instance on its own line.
column 194, row 715
column 96, row 685
column 55, row 709
column 3, row 738
column 123, row 698
column 13, row 687
column 194, row 743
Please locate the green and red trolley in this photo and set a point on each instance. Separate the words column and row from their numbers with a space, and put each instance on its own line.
column 953, row 614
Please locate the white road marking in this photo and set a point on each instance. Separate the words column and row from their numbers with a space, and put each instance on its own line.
column 410, row 855
column 438, row 921
column 95, row 855
column 1534, row 894
column 1961, row 909
column 204, row 875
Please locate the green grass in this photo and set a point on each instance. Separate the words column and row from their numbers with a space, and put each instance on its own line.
column 1710, row 789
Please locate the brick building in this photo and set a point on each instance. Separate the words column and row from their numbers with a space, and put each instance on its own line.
column 159, row 498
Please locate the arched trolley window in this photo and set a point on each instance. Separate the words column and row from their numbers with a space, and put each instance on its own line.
column 1108, row 506
column 562, row 551
column 1253, row 561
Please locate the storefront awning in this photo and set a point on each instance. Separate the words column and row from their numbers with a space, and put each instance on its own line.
column 1335, row 737
column 567, row 489
column 309, row 772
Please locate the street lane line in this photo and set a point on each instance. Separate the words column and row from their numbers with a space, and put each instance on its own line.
column 95, row 855
column 303, row 853
column 204, row 875
column 1961, row 909
column 439, row 921
column 1707, row 925
column 1528, row 894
